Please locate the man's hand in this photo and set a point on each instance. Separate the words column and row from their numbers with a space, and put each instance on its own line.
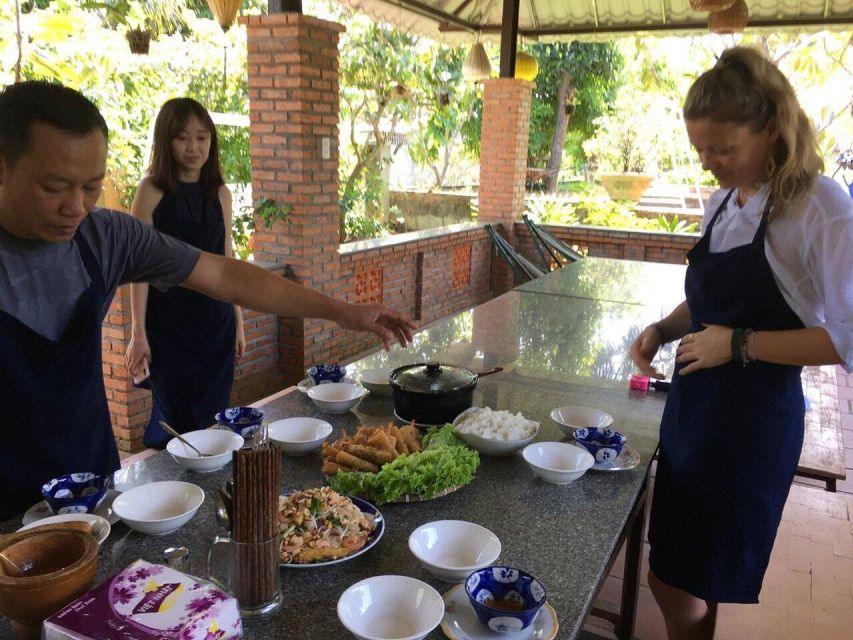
column 138, row 355
column 388, row 324
column 704, row 349
column 644, row 349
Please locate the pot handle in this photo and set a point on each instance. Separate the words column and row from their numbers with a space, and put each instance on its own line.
column 490, row 372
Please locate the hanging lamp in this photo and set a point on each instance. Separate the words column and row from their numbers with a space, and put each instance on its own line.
column 477, row 65
column 224, row 11
column 711, row 5
column 526, row 66
column 731, row 20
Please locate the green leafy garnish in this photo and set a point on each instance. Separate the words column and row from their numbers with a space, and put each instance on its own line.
column 445, row 462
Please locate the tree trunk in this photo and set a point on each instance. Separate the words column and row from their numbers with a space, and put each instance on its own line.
column 564, row 97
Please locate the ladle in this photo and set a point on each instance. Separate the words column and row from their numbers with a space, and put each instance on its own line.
column 172, row 432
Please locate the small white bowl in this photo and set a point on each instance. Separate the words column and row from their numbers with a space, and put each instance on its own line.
column 157, row 508
column 220, row 443
column 490, row 446
column 390, row 608
column 451, row 549
column 376, row 381
column 557, row 462
column 298, row 436
column 572, row 417
column 336, row 397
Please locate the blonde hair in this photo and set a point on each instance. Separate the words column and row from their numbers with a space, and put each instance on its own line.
column 747, row 88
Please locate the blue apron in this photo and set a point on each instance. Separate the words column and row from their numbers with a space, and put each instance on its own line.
column 191, row 335
column 730, row 436
column 55, row 418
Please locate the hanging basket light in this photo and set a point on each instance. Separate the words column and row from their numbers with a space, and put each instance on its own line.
column 711, row 5
column 477, row 65
column 526, row 66
column 225, row 11
column 731, row 20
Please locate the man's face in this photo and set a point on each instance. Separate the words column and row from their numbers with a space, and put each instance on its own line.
column 53, row 185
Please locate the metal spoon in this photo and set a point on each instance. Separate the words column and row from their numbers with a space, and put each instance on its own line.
column 172, row 432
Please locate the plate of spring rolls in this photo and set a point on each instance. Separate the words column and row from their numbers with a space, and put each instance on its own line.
column 398, row 464
column 318, row 527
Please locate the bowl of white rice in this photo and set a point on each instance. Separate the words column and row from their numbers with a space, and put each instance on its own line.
column 494, row 433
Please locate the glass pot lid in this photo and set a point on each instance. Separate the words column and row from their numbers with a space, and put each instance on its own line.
column 433, row 377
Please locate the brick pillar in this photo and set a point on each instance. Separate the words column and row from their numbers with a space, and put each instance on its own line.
column 293, row 106
column 503, row 162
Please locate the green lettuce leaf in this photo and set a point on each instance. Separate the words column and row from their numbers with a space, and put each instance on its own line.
column 444, row 462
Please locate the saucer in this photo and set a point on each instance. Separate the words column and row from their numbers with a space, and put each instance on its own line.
column 40, row 510
column 627, row 459
column 461, row 623
column 100, row 526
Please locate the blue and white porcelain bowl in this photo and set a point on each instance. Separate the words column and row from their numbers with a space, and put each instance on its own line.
column 506, row 600
column 605, row 444
column 75, row 492
column 244, row 421
column 326, row 373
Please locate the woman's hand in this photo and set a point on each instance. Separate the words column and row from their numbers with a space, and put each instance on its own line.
column 138, row 355
column 644, row 349
column 704, row 349
column 240, row 342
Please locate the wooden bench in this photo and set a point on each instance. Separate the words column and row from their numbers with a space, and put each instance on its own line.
column 822, row 457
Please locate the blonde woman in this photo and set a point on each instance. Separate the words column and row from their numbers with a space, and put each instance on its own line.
column 769, row 289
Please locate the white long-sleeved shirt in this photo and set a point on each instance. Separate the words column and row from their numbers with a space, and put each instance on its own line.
column 810, row 253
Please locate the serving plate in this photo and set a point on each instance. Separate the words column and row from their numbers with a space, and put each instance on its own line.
column 100, row 526
column 628, row 458
column 41, row 510
column 366, row 508
column 461, row 623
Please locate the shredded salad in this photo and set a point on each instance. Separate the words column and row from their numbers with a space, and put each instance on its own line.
column 316, row 525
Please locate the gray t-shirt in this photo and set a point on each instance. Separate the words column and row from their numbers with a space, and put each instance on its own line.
column 41, row 282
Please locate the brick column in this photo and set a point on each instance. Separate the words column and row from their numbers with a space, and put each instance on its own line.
column 503, row 162
column 294, row 104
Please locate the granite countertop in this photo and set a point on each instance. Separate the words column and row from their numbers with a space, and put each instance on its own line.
column 556, row 351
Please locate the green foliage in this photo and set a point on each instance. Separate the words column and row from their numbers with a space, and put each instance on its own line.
column 674, row 225
column 243, row 222
column 549, row 209
column 594, row 69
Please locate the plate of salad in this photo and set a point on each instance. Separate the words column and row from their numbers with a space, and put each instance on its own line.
column 439, row 464
column 320, row 527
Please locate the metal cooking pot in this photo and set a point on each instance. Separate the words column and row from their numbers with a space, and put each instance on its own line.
column 433, row 393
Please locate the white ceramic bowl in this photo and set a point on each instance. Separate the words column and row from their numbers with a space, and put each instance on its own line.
column 158, row 507
column 572, row 417
column 390, row 608
column 376, row 381
column 490, row 446
column 218, row 442
column 336, row 397
column 298, row 436
column 557, row 462
column 451, row 549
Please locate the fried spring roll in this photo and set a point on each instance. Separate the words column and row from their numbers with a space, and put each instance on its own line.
column 413, row 440
column 400, row 444
column 381, row 440
column 330, row 468
column 356, row 463
column 330, row 451
column 371, row 454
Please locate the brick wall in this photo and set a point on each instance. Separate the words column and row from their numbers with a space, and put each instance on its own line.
column 599, row 242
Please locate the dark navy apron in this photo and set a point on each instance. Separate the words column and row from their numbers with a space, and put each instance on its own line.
column 55, row 418
column 730, row 436
column 191, row 335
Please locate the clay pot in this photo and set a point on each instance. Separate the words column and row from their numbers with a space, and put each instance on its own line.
column 58, row 567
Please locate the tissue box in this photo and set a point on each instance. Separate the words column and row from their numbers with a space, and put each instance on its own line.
column 148, row 602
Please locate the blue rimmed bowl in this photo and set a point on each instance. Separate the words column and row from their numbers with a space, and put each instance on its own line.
column 506, row 600
column 244, row 421
column 75, row 492
column 321, row 373
column 604, row 444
